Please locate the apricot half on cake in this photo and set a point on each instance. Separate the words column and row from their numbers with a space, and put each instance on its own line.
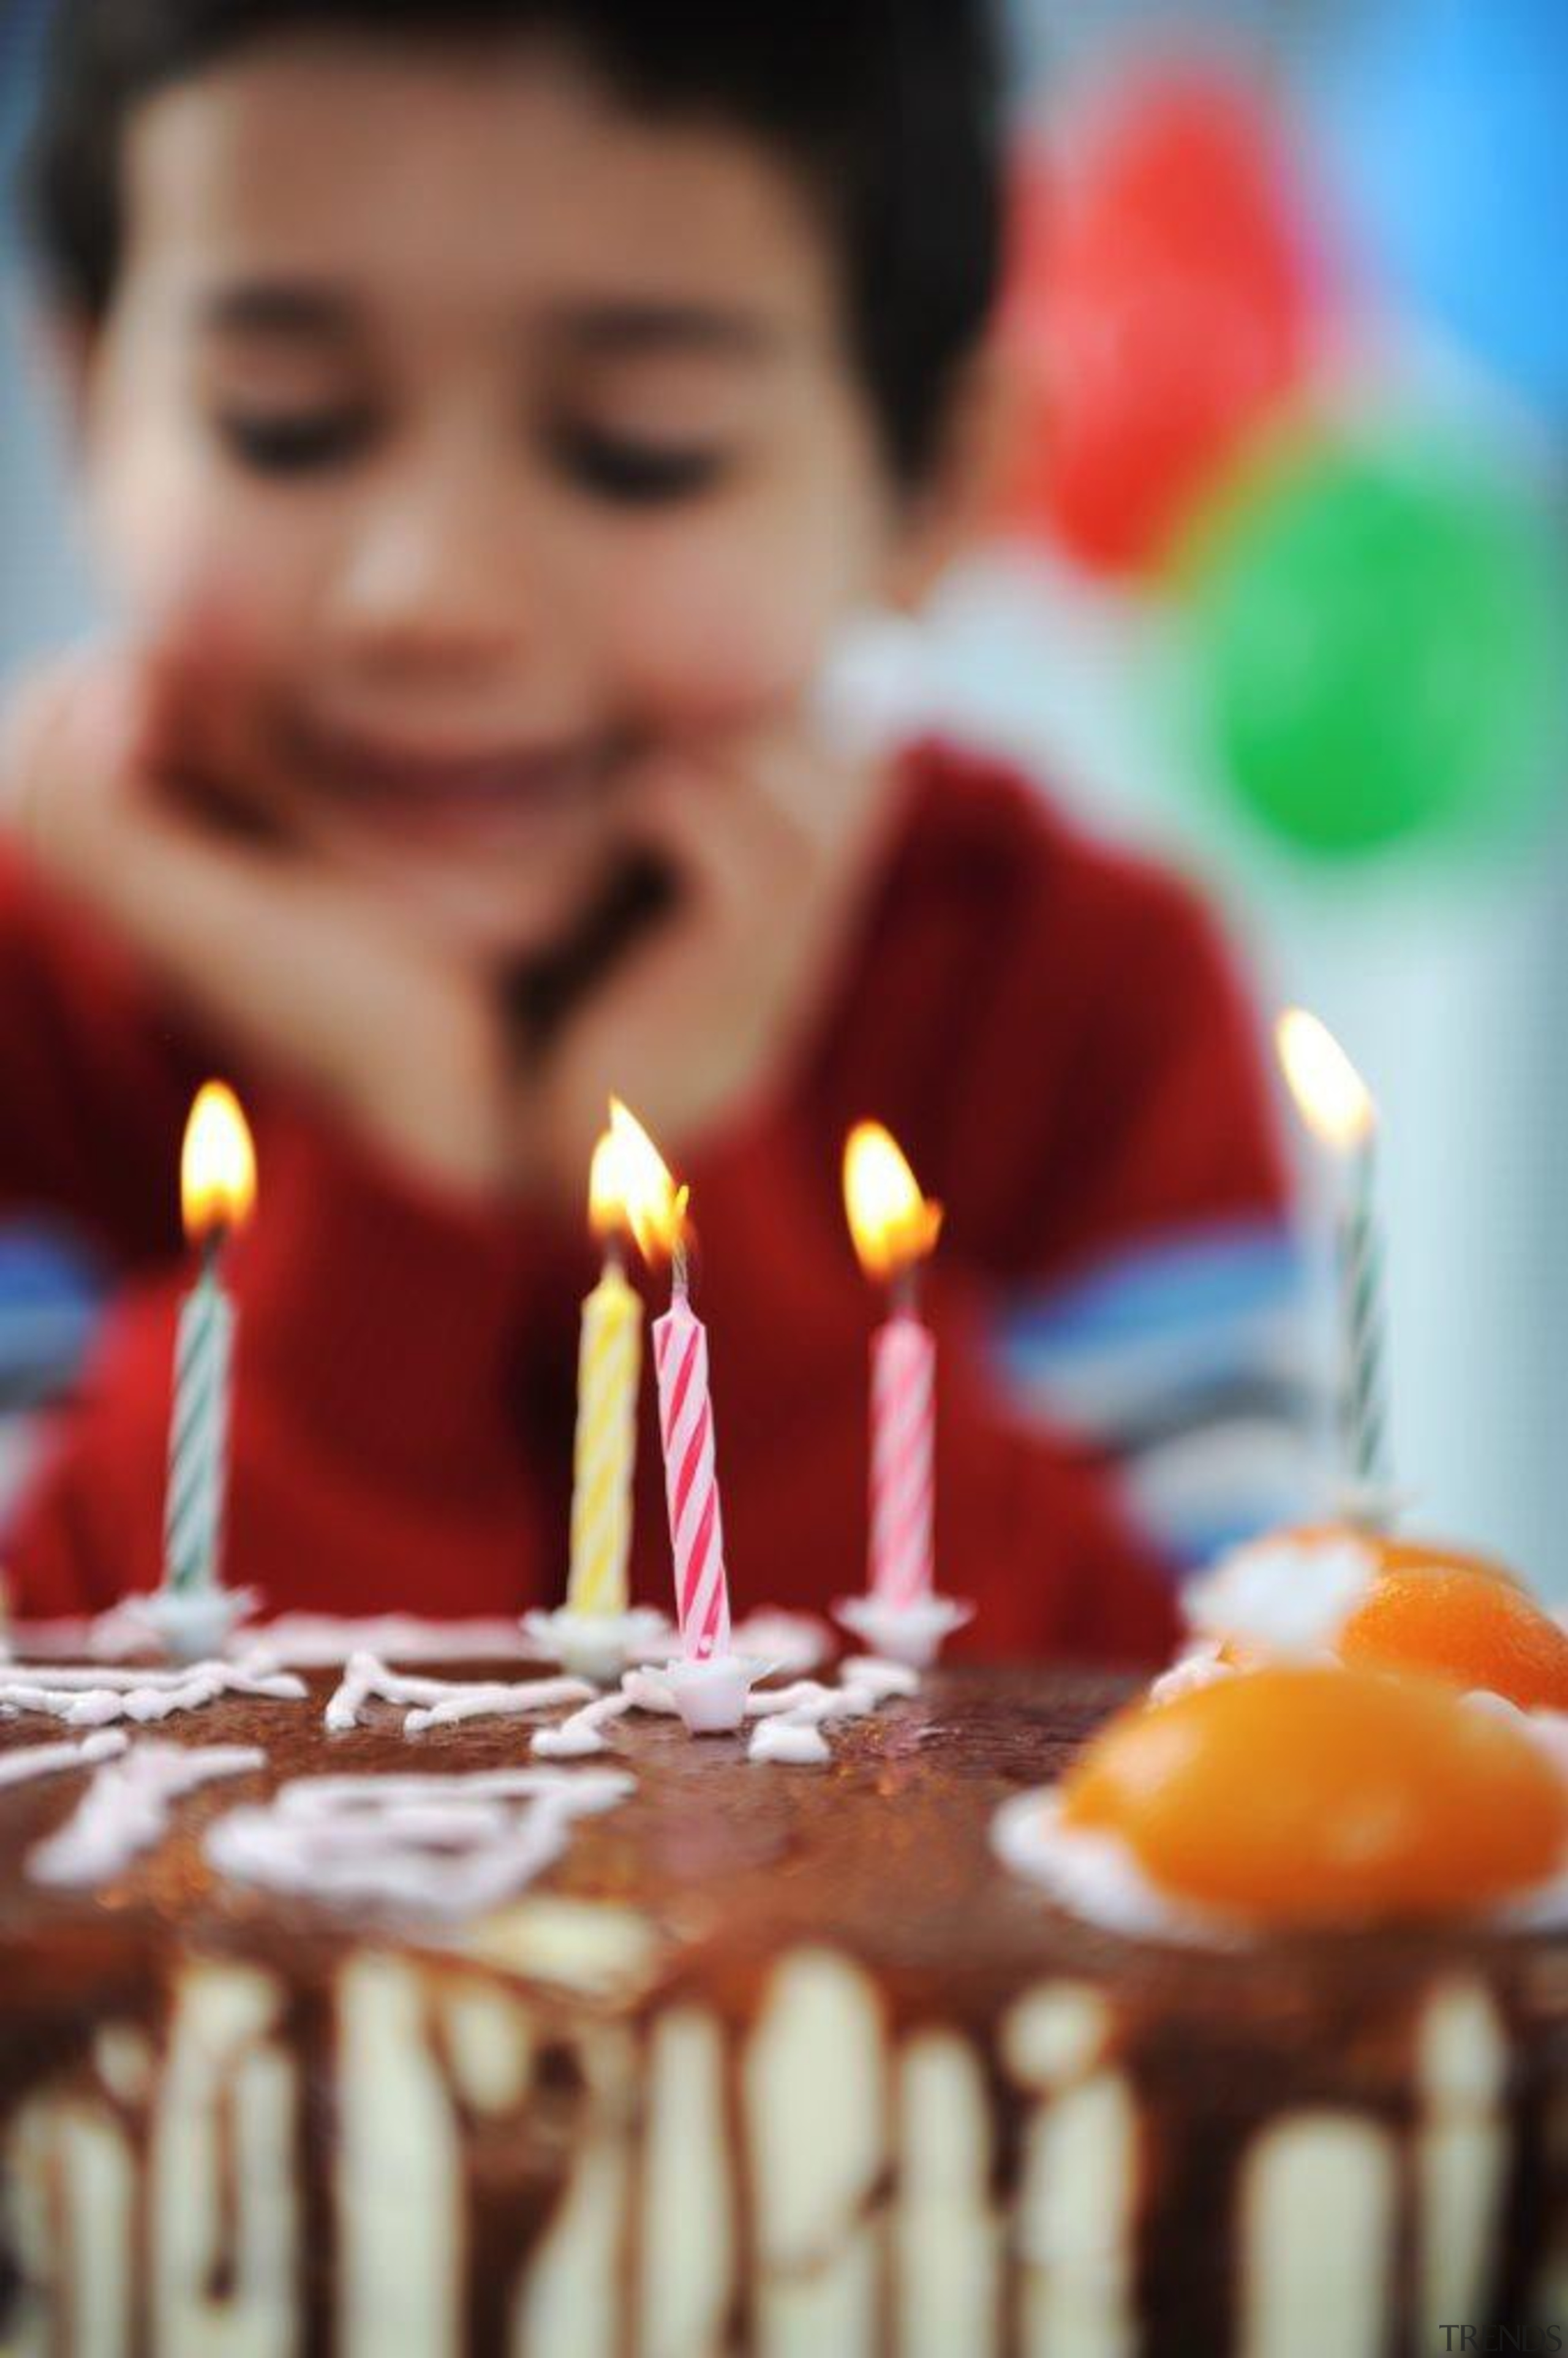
column 1316, row 1795
column 1464, row 1626
column 1397, row 1554
column 1363, row 1596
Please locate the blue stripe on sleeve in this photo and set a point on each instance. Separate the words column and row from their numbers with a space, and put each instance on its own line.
column 51, row 1295
column 1210, row 1276
column 1187, row 1361
column 1125, row 1343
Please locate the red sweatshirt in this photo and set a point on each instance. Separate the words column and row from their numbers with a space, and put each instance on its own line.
column 1048, row 1028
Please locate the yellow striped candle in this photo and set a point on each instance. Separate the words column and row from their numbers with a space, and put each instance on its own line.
column 609, row 1360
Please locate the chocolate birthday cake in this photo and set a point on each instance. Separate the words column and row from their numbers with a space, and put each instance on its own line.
column 381, row 2038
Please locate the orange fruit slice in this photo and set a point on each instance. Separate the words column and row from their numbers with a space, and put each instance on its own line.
column 1465, row 1627
column 1392, row 1552
column 1430, row 1555
column 1316, row 1795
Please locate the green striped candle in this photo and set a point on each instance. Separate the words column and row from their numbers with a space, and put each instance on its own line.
column 1337, row 1108
column 1363, row 1406
column 198, row 1434
column 217, row 1190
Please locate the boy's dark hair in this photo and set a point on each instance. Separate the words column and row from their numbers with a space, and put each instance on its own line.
column 889, row 108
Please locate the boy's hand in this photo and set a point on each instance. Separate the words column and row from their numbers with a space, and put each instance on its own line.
column 101, row 782
column 768, row 843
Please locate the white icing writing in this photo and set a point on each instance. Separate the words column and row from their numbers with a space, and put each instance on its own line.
column 100, row 1696
column 125, row 1810
column 448, row 1845
column 583, row 1733
column 323, row 1641
column 799, row 1709
column 32, row 1760
column 791, row 1720
column 438, row 1703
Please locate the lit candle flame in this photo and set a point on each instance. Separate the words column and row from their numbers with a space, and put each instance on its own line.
column 894, row 1224
column 217, row 1166
column 1335, row 1101
column 606, row 1195
column 653, row 1207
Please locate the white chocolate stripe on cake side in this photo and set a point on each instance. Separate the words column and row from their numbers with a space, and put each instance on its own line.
column 689, row 2230
column 947, row 2239
column 398, row 2165
column 576, row 2291
column 1462, row 2153
column 426, row 2066
column 1077, row 2202
column 170, row 2198
column 1319, row 2218
column 227, row 2251
column 816, row 2110
column 832, row 2185
column 71, row 2199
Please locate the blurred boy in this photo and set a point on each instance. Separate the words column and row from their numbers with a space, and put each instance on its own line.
column 491, row 415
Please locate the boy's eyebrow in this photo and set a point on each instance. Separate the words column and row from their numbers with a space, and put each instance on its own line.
column 622, row 328
column 276, row 308
column 626, row 329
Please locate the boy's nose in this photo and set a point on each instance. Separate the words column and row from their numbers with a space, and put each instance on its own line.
column 431, row 580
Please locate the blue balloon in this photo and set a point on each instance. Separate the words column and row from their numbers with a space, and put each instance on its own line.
column 1446, row 124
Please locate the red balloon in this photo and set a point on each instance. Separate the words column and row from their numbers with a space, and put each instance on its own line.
column 1161, row 300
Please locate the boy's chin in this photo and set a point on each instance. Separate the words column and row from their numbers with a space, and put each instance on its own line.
column 488, row 912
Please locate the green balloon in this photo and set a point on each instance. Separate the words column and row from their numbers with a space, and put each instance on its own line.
column 1380, row 650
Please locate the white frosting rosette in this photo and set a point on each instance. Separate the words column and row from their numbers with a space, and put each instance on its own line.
column 1286, row 1597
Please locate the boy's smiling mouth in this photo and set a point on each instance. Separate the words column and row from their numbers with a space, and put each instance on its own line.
column 439, row 785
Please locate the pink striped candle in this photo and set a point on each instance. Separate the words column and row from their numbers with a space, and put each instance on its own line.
column 656, row 1207
column 691, row 1476
column 894, row 1228
column 903, row 1402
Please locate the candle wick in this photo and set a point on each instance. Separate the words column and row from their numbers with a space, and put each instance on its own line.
column 681, row 1274
column 614, row 1255
column 904, row 1293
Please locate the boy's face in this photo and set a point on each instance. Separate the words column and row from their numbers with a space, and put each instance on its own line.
column 497, row 434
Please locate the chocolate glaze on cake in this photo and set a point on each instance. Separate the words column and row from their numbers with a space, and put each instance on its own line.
column 772, row 2059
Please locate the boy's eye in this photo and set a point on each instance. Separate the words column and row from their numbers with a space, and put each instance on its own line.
column 636, row 473
column 301, row 443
